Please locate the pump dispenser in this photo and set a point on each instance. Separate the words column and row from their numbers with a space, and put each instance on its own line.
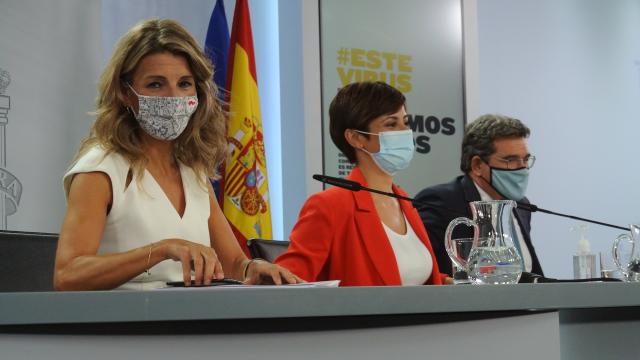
column 584, row 262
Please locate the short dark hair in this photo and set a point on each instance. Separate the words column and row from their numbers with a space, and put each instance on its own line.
column 356, row 105
column 481, row 133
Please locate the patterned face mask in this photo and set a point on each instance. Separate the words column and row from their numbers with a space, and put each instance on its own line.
column 165, row 117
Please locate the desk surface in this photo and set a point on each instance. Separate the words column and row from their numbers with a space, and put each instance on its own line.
column 291, row 302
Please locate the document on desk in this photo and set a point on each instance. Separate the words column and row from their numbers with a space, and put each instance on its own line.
column 314, row 284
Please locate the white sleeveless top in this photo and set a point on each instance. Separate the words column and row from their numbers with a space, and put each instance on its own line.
column 414, row 260
column 142, row 214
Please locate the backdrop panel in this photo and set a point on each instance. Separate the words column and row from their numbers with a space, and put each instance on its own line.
column 415, row 46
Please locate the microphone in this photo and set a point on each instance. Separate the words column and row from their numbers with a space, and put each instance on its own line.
column 339, row 182
column 355, row 186
column 534, row 208
column 532, row 278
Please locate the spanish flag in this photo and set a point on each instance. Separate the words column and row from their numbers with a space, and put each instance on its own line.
column 245, row 186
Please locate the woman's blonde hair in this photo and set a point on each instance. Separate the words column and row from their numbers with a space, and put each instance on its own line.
column 202, row 145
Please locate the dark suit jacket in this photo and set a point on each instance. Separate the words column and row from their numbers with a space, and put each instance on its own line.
column 451, row 200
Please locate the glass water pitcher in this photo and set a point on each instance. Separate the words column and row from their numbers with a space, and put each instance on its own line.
column 494, row 259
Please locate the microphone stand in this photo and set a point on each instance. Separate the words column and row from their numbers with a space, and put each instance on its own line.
column 355, row 186
column 534, row 208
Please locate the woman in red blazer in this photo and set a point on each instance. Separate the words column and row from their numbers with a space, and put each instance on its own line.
column 360, row 238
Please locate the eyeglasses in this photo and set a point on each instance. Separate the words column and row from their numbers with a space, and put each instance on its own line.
column 517, row 163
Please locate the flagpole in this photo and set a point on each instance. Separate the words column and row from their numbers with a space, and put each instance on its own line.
column 5, row 105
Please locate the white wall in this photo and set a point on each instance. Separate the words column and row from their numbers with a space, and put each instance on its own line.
column 570, row 70
column 52, row 52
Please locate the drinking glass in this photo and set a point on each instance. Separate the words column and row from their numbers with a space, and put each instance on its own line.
column 608, row 268
column 462, row 248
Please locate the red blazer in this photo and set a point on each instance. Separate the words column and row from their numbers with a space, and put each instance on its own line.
column 339, row 236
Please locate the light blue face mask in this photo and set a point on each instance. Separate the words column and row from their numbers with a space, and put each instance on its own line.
column 396, row 150
column 511, row 184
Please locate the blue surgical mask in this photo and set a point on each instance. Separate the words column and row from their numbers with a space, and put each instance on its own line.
column 511, row 184
column 396, row 150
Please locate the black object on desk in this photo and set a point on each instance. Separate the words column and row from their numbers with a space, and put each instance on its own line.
column 528, row 277
column 266, row 249
column 219, row 282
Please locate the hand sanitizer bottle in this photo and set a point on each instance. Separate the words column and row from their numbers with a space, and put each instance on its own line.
column 584, row 262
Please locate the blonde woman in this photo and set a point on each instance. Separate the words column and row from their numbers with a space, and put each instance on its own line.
column 137, row 191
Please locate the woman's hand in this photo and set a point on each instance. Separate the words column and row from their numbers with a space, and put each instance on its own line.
column 260, row 271
column 203, row 260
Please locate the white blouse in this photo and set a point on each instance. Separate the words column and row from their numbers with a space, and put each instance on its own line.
column 414, row 260
column 142, row 214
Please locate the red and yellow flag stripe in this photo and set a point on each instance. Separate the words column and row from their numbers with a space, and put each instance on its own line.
column 245, row 187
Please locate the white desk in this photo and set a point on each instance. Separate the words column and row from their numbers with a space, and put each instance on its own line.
column 524, row 321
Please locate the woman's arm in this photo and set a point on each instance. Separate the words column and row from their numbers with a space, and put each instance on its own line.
column 311, row 238
column 77, row 265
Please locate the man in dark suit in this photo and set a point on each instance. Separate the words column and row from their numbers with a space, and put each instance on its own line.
column 495, row 162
